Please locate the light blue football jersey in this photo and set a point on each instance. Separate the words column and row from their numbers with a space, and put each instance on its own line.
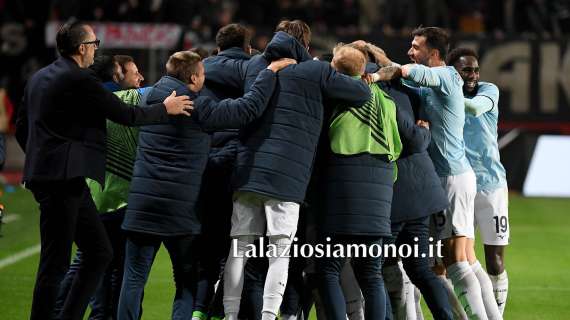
column 480, row 135
column 443, row 105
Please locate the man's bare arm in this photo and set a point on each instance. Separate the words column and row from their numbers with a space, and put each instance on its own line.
column 379, row 55
column 388, row 73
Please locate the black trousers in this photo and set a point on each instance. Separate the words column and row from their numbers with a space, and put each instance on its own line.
column 216, row 211
column 418, row 269
column 368, row 272
column 105, row 301
column 67, row 215
column 140, row 253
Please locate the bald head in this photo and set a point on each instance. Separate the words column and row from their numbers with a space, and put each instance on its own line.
column 348, row 60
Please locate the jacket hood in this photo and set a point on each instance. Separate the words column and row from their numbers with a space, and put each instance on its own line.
column 235, row 53
column 164, row 87
column 284, row 45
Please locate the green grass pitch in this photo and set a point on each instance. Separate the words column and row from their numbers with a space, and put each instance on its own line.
column 538, row 261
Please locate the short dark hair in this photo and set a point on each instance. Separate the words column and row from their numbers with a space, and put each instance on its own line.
column 233, row 35
column 70, row 36
column 182, row 65
column 104, row 67
column 122, row 60
column 203, row 53
column 436, row 38
column 457, row 53
column 297, row 29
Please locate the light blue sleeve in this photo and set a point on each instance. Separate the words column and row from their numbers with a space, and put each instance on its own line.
column 485, row 100
column 409, row 83
column 437, row 78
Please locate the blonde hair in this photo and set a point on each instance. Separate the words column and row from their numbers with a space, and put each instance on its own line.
column 349, row 60
column 182, row 65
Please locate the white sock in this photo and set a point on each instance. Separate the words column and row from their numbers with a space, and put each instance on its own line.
column 456, row 308
column 467, row 289
column 266, row 315
column 352, row 294
column 487, row 294
column 417, row 299
column 234, row 275
column 501, row 289
column 401, row 291
column 288, row 317
column 276, row 280
column 409, row 296
column 394, row 282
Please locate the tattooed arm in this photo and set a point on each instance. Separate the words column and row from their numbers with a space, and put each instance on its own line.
column 388, row 73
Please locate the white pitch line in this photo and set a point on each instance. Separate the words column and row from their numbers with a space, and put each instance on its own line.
column 11, row 218
column 20, row 256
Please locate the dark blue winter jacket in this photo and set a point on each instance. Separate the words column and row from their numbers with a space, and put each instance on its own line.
column 276, row 153
column 171, row 157
column 226, row 66
column 418, row 192
column 357, row 190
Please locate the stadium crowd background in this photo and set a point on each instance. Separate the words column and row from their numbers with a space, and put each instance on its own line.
column 24, row 45
column 23, row 21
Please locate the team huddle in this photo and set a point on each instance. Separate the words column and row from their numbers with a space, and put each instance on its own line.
column 238, row 146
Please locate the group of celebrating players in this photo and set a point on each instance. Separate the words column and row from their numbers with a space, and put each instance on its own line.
column 350, row 147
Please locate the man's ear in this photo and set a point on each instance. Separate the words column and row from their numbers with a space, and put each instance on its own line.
column 434, row 53
column 81, row 49
column 192, row 79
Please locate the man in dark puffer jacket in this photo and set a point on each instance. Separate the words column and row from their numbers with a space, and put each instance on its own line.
column 233, row 43
column 167, row 175
column 275, row 160
column 357, row 187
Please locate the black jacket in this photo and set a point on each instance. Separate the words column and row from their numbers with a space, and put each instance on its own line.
column 276, row 153
column 61, row 123
column 171, row 158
